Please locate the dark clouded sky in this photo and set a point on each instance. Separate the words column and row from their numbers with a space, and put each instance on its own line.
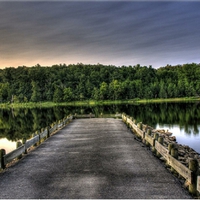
column 118, row 33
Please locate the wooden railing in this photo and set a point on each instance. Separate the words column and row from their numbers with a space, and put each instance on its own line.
column 101, row 115
column 37, row 139
column 190, row 173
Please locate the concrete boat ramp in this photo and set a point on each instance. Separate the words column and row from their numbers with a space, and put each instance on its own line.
column 95, row 158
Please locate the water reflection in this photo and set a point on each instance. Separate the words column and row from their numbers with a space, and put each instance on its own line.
column 7, row 145
column 192, row 140
column 16, row 124
column 186, row 115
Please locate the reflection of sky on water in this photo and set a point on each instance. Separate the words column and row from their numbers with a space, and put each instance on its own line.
column 192, row 139
column 7, row 145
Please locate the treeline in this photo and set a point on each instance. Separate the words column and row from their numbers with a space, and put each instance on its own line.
column 64, row 83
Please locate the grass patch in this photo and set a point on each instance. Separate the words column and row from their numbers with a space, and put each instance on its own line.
column 93, row 102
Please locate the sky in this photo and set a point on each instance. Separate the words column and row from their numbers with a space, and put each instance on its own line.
column 116, row 33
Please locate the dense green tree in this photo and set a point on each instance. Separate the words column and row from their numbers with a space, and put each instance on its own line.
column 103, row 91
column 99, row 82
column 114, row 90
column 4, row 92
column 58, row 95
column 36, row 94
column 95, row 94
column 163, row 92
column 68, row 94
column 170, row 90
column 139, row 88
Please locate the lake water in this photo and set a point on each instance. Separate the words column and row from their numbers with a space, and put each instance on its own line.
column 182, row 119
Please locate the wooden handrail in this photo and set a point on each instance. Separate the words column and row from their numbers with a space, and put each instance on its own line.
column 190, row 174
column 7, row 158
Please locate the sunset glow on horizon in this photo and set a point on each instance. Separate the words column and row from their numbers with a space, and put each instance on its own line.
column 111, row 33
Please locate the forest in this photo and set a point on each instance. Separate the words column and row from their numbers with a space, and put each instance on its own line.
column 78, row 82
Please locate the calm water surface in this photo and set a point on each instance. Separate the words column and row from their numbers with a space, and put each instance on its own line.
column 182, row 119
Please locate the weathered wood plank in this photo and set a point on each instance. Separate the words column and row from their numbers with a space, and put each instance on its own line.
column 140, row 132
column 137, row 130
column 128, row 120
column 14, row 154
column 52, row 129
column 173, row 162
column 109, row 115
column 162, row 150
column 180, row 168
column 85, row 116
column 32, row 141
column 134, row 126
column 149, row 139
column 43, row 134
column 60, row 125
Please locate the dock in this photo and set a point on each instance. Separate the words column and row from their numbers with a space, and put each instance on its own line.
column 93, row 158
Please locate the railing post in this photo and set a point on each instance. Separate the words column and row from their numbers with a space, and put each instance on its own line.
column 155, row 137
column 170, row 146
column 24, row 142
column 194, row 167
column 143, row 137
column 35, row 134
column 65, row 121
column 173, row 151
column 56, row 124
column 139, row 125
column 129, row 124
column 19, row 144
column 149, row 134
column 126, row 120
column 2, row 153
column 160, row 140
column 48, row 132
column 39, row 142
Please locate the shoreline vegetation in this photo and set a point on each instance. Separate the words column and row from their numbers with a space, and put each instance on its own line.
column 83, row 84
column 96, row 103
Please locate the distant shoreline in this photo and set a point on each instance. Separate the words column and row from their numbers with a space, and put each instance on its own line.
column 93, row 102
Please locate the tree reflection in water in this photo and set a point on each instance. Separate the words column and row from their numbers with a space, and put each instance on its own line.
column 19, row 123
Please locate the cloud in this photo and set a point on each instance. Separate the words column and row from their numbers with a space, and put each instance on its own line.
column 114, row 31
